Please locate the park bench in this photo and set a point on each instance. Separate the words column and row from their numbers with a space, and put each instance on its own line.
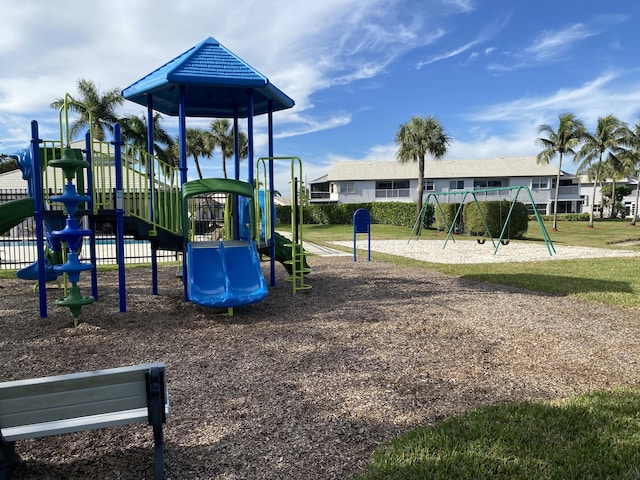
column 60, row 404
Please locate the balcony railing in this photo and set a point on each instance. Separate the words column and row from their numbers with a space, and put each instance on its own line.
column 393, row 193
column 320, row 195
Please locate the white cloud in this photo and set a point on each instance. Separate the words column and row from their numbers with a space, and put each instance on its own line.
column 486, row 34
column 553, row 44
column 303, row 47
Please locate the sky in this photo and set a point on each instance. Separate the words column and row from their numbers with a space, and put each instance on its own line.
column 491, row 71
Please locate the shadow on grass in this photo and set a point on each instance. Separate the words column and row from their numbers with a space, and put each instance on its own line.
column 555, row 284
column 593, row 436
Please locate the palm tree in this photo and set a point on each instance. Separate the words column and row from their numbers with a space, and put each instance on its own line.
column 614, row 168
column 418, row 138
column 222, row 136
column 198, row 145
column 633, row 162
column 135, row 131
column 100, row 108
column 606, row 143
column 561, row 141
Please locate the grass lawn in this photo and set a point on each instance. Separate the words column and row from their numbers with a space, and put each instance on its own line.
column 592, row 436
column 587, row 437
column 614, row 281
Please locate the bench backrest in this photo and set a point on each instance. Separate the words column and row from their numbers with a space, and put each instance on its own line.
column 80, row 401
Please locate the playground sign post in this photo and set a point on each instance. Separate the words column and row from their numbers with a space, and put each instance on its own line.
column 362, row 224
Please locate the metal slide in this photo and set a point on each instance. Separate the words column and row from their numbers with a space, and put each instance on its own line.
column 224, row 273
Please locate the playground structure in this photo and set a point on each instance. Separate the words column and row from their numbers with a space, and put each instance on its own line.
column 473, row 195
column 140, row 195
column 289, row 252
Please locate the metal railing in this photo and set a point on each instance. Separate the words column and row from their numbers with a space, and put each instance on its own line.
column 21, row 251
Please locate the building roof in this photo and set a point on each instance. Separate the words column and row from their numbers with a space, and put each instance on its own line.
column 442, row 169
column 12, row 180
column 215, row 81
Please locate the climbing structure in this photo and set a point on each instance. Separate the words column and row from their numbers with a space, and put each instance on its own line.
column 71, row 162
column 289, row 250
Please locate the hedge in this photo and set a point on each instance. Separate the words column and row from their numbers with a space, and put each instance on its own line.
column 567, row 217
column 383, row 213
column 495, row 214
column 449, row 211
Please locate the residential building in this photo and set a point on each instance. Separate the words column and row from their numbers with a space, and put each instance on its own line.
column 362, row 182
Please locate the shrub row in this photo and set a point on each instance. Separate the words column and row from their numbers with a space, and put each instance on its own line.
column 495, row 215
column 383, row 213
column 567, row 217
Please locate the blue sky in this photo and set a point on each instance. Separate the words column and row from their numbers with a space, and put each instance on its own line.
column 491, row 71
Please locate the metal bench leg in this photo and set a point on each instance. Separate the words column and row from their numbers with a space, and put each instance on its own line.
column 155, row 401
column 8, row 458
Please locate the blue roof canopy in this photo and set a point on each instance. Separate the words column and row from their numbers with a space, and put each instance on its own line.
column 216, row 84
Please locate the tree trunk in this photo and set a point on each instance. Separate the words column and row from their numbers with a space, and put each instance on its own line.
column 613, row 199
column 555, row 202
column 420, row 186
column 224, row 165
column 635, row 213
column 593, row 199
column 195, row 159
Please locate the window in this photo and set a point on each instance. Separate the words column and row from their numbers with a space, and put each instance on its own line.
column 392, row 188
column 429, row 186
column 346, row 187
column 540, row 183
column 481, row 184
column 456, row 185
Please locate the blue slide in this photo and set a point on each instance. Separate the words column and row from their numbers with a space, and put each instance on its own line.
column 224, row 274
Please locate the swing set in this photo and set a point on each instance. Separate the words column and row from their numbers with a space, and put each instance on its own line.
column 505, row 230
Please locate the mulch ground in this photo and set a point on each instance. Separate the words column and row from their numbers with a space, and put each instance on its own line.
column 305, row 386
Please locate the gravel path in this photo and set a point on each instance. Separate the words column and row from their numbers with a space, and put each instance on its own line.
column 469, row 251
column 306, row 386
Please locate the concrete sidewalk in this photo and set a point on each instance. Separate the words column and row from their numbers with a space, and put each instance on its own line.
column 319, row 250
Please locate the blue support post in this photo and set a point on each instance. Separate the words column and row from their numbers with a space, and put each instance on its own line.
column 120, row 219
column 150, row 163
column 250, row 135
column 270, row 204
column 38, row 216
column 236, row 146
column 182, row 134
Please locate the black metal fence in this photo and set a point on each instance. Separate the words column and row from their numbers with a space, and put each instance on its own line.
column 18, row 247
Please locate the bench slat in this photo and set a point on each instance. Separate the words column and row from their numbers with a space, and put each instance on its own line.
column 37, row 430
column 79, row 398
column 60, row 404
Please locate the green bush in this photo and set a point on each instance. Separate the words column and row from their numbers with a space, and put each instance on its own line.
column 567, row 217
column 449, row 211
column 495, row 214
column 382, row 213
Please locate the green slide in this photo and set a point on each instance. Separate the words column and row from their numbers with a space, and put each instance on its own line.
column 14, row 212
column 283, row 252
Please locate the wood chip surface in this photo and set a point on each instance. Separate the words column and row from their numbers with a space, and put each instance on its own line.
column 305, row 386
